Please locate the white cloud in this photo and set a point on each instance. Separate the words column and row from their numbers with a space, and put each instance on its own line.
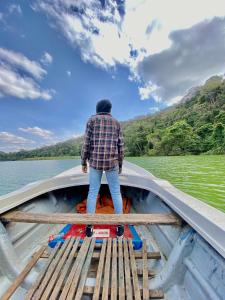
column 175, row 100
column 145, row 26
column 74, row 136
column 153, row 109
column 44, row 133
column 68, row 72
column 46, row 58
column 12, row 142
column 147, row 91
column 92, row 29
column 13, row 84
column 13, row 139
column 18, row 75
column 15, row 8
column 20, row 61
column 109, row 33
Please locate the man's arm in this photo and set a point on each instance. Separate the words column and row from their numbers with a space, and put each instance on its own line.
column 120, row 149
column 85, row 153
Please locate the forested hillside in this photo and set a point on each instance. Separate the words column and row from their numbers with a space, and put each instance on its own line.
column 195, row 126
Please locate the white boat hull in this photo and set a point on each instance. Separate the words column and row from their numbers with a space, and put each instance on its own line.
column 193, row 264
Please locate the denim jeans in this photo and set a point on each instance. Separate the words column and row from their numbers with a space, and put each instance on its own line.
column 112, row 177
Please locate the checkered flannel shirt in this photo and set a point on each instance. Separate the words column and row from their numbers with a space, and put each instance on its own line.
column 103, row 143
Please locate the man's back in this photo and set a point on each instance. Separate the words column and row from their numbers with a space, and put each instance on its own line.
column 103, row 148
column 103, row 145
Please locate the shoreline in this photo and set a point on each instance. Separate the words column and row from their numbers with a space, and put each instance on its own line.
column 45, row 158
column 78, row 157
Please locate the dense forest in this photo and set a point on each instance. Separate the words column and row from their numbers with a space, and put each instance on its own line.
column 194, row 126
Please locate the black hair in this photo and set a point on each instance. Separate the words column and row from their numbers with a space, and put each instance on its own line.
column 103, row 106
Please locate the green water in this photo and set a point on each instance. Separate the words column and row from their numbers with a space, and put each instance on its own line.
column 200, row 176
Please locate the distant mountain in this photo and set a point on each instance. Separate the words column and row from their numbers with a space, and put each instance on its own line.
column 196, row 125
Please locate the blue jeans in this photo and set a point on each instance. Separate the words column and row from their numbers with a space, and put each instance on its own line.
column 112, row 177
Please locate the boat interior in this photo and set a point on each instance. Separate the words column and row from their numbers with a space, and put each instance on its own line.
column 171, row 263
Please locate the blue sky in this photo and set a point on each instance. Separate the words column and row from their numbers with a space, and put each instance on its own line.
column 58, row 58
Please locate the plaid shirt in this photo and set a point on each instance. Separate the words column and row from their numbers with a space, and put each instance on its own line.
column 103, row 144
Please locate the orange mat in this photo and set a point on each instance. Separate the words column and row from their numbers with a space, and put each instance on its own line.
column 104, row 205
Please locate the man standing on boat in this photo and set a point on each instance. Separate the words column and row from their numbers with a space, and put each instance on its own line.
column 103, row 148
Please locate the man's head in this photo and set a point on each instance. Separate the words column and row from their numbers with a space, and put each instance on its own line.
column 103, row 106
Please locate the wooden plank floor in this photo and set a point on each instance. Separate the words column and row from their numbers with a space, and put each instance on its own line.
column 67, row 268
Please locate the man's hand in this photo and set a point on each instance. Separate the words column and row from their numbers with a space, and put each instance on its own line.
column 84, row 169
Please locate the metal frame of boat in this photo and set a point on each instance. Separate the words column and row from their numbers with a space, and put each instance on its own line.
column 193, row 253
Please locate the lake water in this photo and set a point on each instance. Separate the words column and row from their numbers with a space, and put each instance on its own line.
column 200, row 176
column 15, row 174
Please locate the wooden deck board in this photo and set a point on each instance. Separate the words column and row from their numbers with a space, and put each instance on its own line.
column 50, row 271
column 105, row 291
column 121, row 270
column 100, row 271
column 73, row 218
column 33, row 288
column 56, row 273
column 154, row 294
column 96, row 255
column 129, row 294
column 9, row 292
column 64, row 275
column 78, row 263
column 76, row 277
column 136, row 287
column 84, row 271
column 114, row 271
column 145, row 272
column 64, row 272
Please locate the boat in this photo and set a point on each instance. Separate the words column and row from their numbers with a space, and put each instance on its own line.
column 182, row 255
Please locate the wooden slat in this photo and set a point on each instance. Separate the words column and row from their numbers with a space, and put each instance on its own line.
column 145, row 272
column 65, row 218
column 84, row 272
column 100, row 271
column 50, row 271
column 76, row 277
column 56, row 273
column 64, row 272
column 121, row 270
column 137, row 295
column 63, row 263
column 137, row 254
column 114, row 271
column 154, row 294
column 73, row 273
column 107, row 271
column 9, row 292
column 129, row 295
column 36, row 284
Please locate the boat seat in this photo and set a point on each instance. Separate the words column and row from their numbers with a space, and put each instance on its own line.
column 74, row 218
column 74, row 269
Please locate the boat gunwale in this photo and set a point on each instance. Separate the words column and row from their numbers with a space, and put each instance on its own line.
column 206, row 220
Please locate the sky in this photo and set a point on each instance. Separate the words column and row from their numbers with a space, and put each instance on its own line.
column 59, row 57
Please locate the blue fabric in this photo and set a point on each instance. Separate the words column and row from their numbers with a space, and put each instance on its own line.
column 112, row 177
column 137, row 242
